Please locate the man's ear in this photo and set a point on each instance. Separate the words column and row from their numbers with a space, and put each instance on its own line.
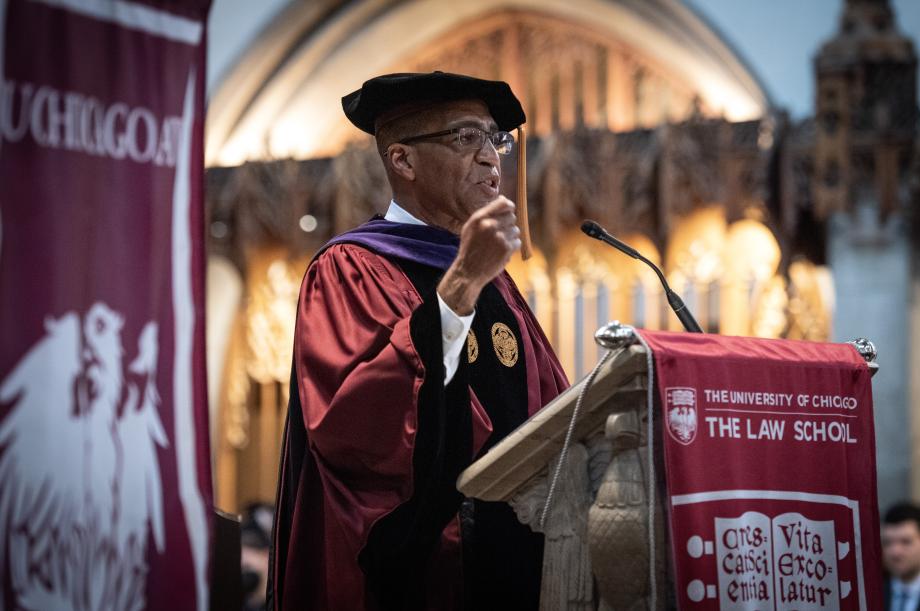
column 401, row 161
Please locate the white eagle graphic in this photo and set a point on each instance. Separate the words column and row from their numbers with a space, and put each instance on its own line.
column 80, row 487
column 682, row 423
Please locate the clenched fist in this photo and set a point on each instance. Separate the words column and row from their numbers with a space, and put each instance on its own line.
column 487, row 240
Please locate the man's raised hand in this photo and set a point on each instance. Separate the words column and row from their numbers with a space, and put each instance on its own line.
column 488, row 239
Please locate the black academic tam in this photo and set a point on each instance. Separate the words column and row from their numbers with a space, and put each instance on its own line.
column 389, row 92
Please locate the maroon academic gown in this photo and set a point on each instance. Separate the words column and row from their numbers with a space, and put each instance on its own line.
column 372, row 452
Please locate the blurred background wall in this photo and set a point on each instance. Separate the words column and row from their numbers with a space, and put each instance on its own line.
column 766, row 154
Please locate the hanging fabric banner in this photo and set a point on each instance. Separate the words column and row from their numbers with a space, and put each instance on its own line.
column 769, row 456
column 105, row 485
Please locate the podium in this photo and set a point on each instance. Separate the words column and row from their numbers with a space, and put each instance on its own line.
column 606, row 536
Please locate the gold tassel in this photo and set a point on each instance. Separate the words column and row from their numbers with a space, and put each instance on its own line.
column 521, row 203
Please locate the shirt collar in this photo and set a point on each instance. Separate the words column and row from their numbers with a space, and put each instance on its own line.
column 396, row 214
column 910, row 588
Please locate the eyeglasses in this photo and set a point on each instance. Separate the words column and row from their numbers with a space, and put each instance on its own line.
column 471, row 138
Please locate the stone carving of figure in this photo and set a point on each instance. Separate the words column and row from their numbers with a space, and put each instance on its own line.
column 618, row 522
column 567, row 576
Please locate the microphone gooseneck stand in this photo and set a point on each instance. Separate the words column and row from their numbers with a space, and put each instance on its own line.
column 592, row 229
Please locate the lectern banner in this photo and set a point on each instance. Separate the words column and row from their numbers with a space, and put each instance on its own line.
column 105, row 489
column 769, row 450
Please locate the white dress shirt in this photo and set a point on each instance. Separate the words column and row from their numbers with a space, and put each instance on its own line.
column 454, row 327
column 905, row 596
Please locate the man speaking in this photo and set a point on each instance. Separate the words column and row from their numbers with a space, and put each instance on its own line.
column 414, row 353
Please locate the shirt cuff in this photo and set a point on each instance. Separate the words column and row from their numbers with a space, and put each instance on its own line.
column 454, row 329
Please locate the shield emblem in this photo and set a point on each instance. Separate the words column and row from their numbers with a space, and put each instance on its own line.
column 680, row 409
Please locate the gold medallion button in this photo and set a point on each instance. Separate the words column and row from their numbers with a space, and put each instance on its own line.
column 472, row 347
column 505, row 344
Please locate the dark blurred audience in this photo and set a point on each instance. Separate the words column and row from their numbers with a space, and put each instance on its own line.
column 255, row 535
column 901, row 555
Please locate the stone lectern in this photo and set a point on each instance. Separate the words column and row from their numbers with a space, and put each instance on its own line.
column 583, row 472
column 597, row 523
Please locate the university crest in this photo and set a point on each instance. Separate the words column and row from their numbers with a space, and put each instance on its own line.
column 680, row 410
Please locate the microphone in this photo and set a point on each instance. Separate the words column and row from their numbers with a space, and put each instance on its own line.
column 592, row 229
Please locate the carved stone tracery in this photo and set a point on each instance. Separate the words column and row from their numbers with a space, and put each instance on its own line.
column 567, row 75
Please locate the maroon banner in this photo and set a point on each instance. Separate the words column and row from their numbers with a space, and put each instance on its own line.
column 769, row 450
column 105, row 489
